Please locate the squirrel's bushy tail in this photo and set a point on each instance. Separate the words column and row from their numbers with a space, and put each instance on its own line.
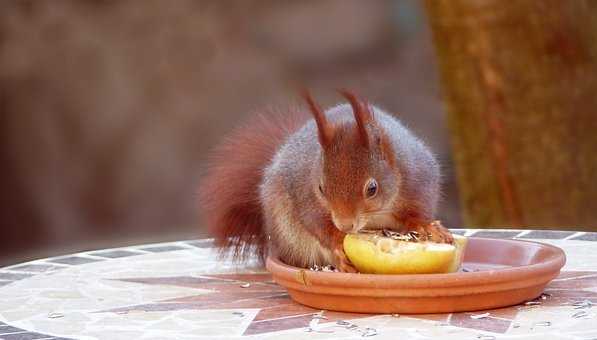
column 229, row 192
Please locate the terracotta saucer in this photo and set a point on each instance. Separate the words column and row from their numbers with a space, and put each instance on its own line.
column 504, row 273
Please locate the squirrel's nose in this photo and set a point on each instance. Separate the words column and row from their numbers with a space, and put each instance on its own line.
column 344, row 224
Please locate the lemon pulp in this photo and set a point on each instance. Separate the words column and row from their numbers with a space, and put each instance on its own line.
column 374, row 254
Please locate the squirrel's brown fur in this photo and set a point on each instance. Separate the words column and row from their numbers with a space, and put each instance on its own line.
column 229, row 193
column 294, row 187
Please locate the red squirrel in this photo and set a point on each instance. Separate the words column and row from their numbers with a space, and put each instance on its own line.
column 295, row 187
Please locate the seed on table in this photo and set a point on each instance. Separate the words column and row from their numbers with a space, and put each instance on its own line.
column 580, row 314
column 369, row 332
column 486, row 337
column 545, row 296
column 582, row 304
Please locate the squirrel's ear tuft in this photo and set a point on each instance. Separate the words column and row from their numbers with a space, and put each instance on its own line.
column 324, row 130
column 362, row 114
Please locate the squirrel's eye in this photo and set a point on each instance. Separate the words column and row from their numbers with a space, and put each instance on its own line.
column 321, row 188
column 371, row 188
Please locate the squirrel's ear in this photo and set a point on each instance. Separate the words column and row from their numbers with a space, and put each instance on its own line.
column 324, row 130
column 362, row 114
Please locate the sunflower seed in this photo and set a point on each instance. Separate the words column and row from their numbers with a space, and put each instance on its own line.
column 326, row 268
column 486, row 337
column 580, row 314
column 414, row 235
column 582, row 304
column 245, row 285
column 329, row 268
column 311, row 330
column 369, row 332
column 479, row 316
column 545, row 296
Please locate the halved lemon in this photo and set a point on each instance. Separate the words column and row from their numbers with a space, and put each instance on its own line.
column 374, row 254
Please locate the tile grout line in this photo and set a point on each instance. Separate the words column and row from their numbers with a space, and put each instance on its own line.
column 10, row 271
column 181, row 244
column 61, row 265
column 288, row 317
column 185, row 245
column 470, row 232
column 575, row 277
column 522, row 233
column 36, row 262
column 206, row 240
column 141, row 251
column 14, row 332
column 576, row 234
column 88, row 255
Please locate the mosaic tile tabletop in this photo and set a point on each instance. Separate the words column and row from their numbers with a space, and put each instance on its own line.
column 180, row 291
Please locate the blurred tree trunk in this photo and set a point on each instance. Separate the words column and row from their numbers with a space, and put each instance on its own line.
column 520, row 86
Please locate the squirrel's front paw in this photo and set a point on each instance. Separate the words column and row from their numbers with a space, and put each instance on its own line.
column 342, row 263
column 436, row 232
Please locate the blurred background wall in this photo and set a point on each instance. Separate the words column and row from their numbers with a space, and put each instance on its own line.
column 108, row 108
